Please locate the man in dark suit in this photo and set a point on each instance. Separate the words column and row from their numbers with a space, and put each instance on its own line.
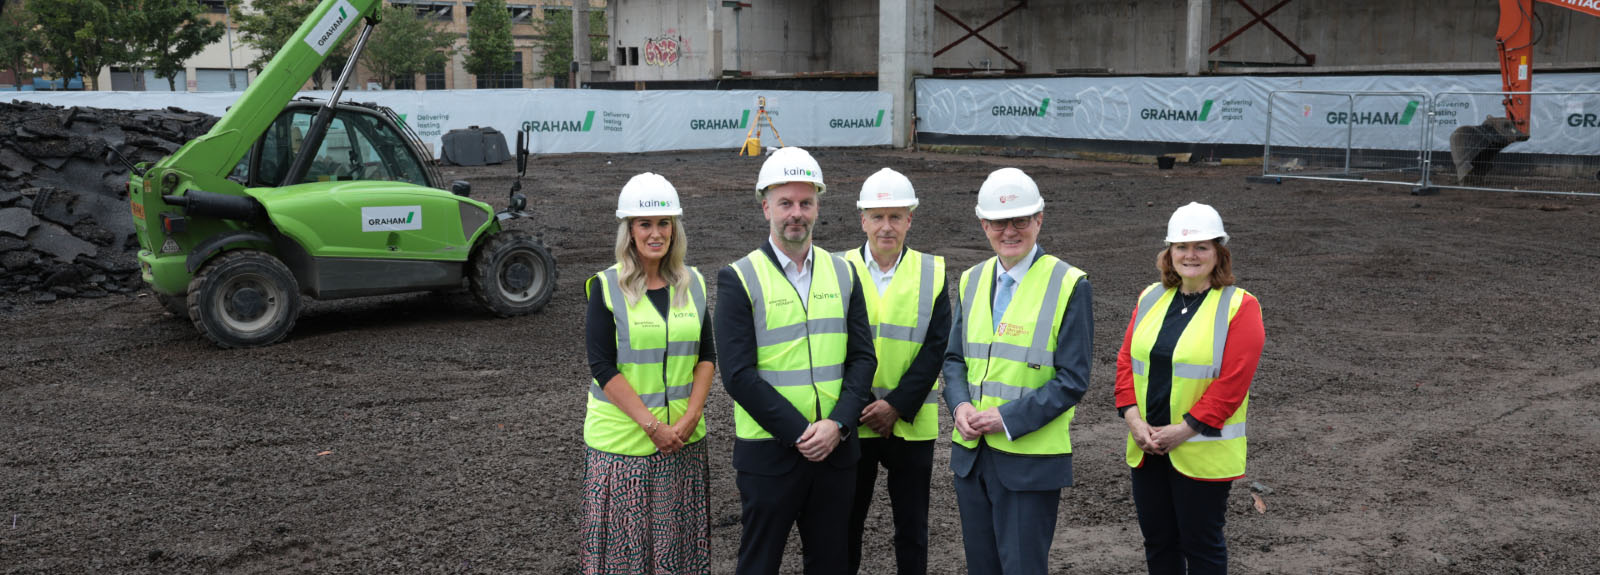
column 795, row 349
column 1016, row 365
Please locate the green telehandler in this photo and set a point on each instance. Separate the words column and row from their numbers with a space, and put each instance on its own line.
column 284, row 199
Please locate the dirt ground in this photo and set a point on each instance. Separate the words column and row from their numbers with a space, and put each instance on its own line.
column 1428, row 401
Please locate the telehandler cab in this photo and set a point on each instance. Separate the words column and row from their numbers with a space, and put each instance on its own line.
column 322, row 199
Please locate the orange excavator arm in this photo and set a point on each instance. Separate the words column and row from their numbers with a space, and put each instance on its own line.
column 1515, row 42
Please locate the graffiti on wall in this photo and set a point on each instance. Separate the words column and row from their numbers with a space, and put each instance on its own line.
column 661, row 51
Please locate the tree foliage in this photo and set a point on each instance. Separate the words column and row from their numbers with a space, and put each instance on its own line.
column 16, row 43
column 163, row 34
column 555, row 40
column 406, row 44
column 489, row 39
column 269, row 27
column 79, row 37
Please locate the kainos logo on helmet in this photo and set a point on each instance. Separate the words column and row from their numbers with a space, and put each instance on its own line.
column 391, row 218
column 1396, row 118
column 740, row 123
column 857, row 122
column 333, row 24
column 799, row 172
column 1584, row 120
column 1039, row 110
column 560, row 125
column 654, row 204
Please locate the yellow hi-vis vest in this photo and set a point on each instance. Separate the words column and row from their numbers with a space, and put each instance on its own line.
column 800, row 349
column 1006, row 364
column 656, row 355
column 899, row 329
column 1196, row 361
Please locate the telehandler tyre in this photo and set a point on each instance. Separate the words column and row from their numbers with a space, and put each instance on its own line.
column 244, row 298
column 512, row 274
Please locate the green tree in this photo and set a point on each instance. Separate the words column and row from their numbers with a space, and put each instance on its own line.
column 164, row 34
column 405, row 45
column 269, row 27
column 16, row 43
column 79, row 37
column 489, row 38
column 555, row 40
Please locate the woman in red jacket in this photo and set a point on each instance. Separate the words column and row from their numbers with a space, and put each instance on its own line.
column 1183, row 386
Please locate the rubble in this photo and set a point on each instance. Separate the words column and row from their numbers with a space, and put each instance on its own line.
column 65, row 227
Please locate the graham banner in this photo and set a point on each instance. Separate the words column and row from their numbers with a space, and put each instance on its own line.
column 1386, row 112
column 567, row 121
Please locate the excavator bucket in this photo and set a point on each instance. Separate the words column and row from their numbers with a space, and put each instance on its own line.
column 1473, row 148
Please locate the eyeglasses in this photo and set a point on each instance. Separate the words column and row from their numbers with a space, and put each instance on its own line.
column 1019, row 224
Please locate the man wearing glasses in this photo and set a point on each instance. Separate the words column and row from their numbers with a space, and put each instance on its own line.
column 1016, row 365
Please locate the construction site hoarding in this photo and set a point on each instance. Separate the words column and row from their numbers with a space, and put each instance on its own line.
column 572, row 121
column 1235, row 110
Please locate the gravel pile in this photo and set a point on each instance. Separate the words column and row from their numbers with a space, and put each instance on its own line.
column 65, row 229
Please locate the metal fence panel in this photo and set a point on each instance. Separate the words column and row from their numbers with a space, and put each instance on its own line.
column 1560, row 154
column 1378, row 137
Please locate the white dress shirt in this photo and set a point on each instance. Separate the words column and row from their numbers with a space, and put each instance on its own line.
column 879, row 277
column 799, row 273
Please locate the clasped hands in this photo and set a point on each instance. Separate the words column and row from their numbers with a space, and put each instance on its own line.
column 819, row 440
column 671, row 438
column 1157, row 440
column 972, row 424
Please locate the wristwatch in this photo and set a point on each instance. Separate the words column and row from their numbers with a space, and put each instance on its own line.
column 844, row 432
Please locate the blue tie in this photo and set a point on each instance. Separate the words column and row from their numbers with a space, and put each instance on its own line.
column 1002, row 298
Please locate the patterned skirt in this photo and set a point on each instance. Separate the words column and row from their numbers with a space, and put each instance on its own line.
column 646, row 514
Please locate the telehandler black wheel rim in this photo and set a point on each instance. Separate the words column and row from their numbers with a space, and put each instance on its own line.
column 249, row 303
column 244, row 298
column 521, row 276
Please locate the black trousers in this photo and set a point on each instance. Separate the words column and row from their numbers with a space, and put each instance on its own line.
column 1181, row 518
column 811, row 494
column 910, row 466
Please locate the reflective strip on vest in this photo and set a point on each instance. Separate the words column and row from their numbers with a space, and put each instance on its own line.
column 1036, row 355
column 882, row 392
column 664, row 352
column 1000, row 372
column 805, row 369
column 1213, row 457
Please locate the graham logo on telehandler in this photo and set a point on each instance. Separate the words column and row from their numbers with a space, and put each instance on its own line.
column 391, row 218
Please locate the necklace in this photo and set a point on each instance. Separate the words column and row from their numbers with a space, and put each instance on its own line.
column 1187, row 303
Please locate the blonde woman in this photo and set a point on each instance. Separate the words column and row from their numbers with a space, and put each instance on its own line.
column 651, row 354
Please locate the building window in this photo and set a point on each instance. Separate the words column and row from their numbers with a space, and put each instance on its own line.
column 215, row 6
column 510, row 79
column 633, row 56
column 622, row 56
column 434, row 79
column 406, row 82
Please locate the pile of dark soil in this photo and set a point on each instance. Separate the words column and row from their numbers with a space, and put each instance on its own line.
column 65, row 230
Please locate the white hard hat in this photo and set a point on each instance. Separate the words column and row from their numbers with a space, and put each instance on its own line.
column 1008, row 193
column 1195, row 222
column 648, row 194
column 887, row 189
column 789, row 165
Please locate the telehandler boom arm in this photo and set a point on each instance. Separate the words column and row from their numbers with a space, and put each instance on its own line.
column 216, row 153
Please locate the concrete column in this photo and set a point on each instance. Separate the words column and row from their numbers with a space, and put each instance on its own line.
column 905, row 50
column 580, row 42
column 1199, row 23
column 714, row 32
